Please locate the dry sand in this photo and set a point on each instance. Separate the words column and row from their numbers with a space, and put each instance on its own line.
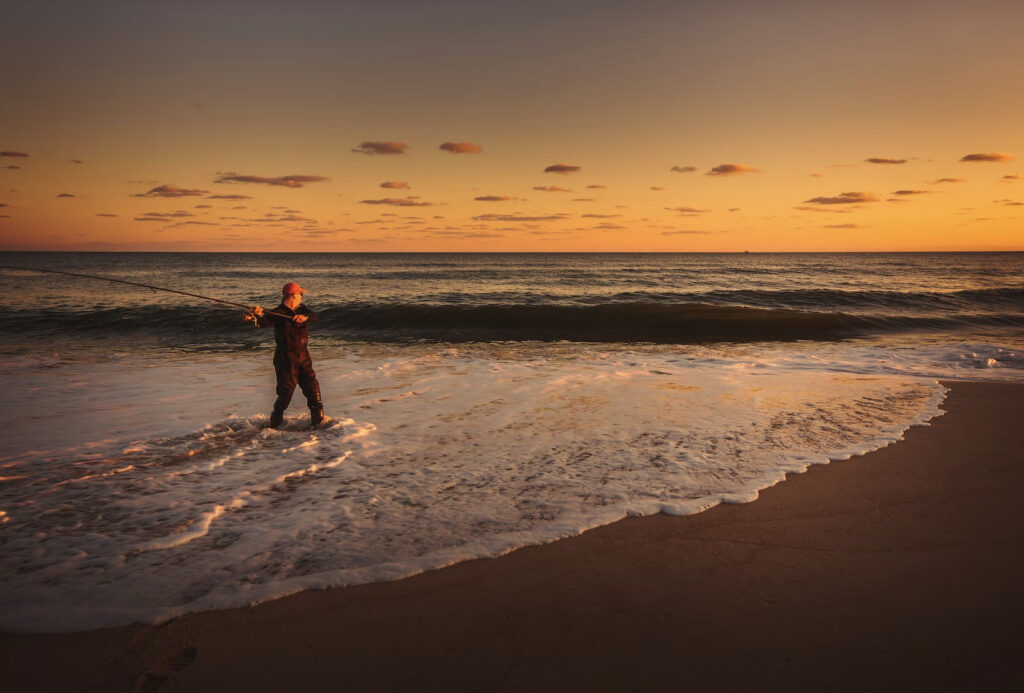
column 900, row 570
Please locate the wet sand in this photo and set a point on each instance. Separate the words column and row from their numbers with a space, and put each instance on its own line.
column 899, row 570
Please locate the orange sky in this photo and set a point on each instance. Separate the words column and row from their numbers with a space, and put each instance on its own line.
column 790, row 126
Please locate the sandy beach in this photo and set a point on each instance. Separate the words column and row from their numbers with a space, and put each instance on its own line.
column 898, row 570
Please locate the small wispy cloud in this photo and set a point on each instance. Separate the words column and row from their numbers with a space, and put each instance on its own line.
column 600, row 216
column 683, row 169
column 103, row 214
column 77, row 161
column 656, row 187
column 290, row 181
column 171, row 191
column 731, row 170
column 687, row 210
column 65, row 195
column 395, row 185
column 516, row 217
column 397, row 202
column 562, row 169
column 843, row 226
column 461, row 147
column 845, row 198
column 371, row 148
column 996, row 157
column 910, row 192
column 492, row 198
column 551, row 188
column 878, row 160
column 1011, row 177
column 15, row 155
column 163, row 216
column 228, row 197
column 947, row 180
column 687, row 232
column 596, row 187
column 13, row 167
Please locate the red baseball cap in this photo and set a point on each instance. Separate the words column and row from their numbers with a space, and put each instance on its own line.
column 292, row 288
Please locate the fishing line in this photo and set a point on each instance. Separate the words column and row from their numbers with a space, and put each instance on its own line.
column 145, row 286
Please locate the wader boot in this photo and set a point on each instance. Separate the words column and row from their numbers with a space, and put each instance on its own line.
column 316, row 415
column 276, row 418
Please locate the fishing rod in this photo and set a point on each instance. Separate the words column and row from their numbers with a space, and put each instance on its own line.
column 148, row 286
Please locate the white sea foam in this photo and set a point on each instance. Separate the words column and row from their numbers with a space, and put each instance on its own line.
column 149, row 489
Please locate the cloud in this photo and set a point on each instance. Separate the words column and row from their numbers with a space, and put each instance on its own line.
column 843, row 226
column 65, row 195
column 911, row 192
column 823, row 209
column 731, row 170
column 464, row 234
column 106, row 215
column 396, row 202
column 597, row 187
column 163, row 216
column 687, row 233
column 947, row 180
column 998, row 157
column 600, row 216
column 687, row 210
column 561, row 168
column 583, row 199
column 683, row 169
column 228, row 197
column 371, row 148
column 13, row 167
column 21, row 155
column 875, row 160
column 1012, row 176
column 492, row 198
column 516, row 217
column 845, row 199
column 292, row 181
column 551, row 188
column 655, row 187
column 77, row 161
column 3, row 204
column 394, row 184
column 171, row 191
column 461, row 147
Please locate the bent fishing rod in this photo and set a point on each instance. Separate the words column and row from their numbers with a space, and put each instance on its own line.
column 148, row 286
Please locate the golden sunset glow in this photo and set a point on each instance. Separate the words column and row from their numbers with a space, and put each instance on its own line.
column 516, row 126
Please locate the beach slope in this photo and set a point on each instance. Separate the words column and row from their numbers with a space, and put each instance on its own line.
column 898, row 570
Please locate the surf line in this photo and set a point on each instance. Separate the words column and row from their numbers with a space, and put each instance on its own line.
column 144, row 286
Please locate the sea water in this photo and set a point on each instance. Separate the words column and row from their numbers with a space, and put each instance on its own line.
column 478, row 403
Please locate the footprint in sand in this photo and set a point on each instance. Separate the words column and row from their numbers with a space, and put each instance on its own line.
column 165, row 669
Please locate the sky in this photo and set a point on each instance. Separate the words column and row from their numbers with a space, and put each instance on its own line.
column 419, row 125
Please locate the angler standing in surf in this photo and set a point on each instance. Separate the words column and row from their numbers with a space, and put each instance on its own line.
column 292, row 361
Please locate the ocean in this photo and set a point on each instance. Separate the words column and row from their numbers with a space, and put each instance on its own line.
column 479, row 403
